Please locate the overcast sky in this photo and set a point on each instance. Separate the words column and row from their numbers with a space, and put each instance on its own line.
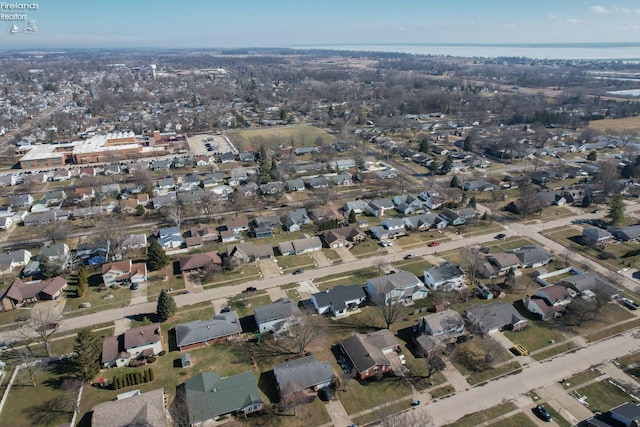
column 283, row 23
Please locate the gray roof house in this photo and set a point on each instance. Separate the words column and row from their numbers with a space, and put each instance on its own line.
column 596, row 235
column 339, row 300
column 209, row 396
column 402, row 286
column 144, row 409
column 494, row 317
column 318, row 182
column 295, row 218
column 434, row 331
column 203, row 332
column 302, row 374
column 300, row 246
column 295, row 184
column 626, row 234
column 379, row 207
column 276, row 316
column 589, row 283
column 357, row 206
column 533, row 256
column 424, row 222
column 368, row 353
column 445, row 277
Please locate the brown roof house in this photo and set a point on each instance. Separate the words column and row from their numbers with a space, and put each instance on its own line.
column 435, row 331
column 248, row 252
column 124, row 271
column 199, row 261
column 302, row 374
column 344, row 236
column 20, row 293
column 548, row 302
column 136, row 343
column 370, row 354
column 494, row 317
column 142, row 409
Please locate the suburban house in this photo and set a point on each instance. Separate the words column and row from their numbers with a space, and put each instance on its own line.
column 237, row 224
column 276, row 316
column 401, row 287
column 432, row 200
column 300, row 246
column 452, row 217
column 339, row 300
column 271, row 188
column 630, row 233
column 136, row 343
column 499, row 264
column 248, row 252
column 433, row 332
column 142, row 409
column 369, row 354
column 533, row 256
column 124, row 272
column 446, row 277
column 170, row 238
column 304, row 373
column 357, row 206
column 548, row 302
column 342, row 179
column 379, row 207
column 208, row 396
column 593, row 236
column 495, row 317
column 295, row 218
column 295, row 184
column 14, row 259
column 343, row 236
column 200, row 333
column 625, row 415
column 589, row 285
column 198, row 262
column 21, row 200
column 21, row 293
column 424, row 222
column 390, row 229
column 201, row 234
column 408, row 204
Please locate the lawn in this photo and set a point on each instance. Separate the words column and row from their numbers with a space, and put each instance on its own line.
column 480, row 359
column 43, row 405
column 557, row 417
column 536, row 336
column 291, row 262
column 99, row 300
column 478, row 418
column 520, row 420
column 607, row 315
column 614, row 330
column 240, row 274
column 554, row 351
column 602, row 396
column 479, row 377
column 366, row 249
column 582, row 377
column 361, row 395
column 415, row 266
column 332, row 255
column 439, row 392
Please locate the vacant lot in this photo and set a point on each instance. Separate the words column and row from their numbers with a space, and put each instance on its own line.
column 628, row 123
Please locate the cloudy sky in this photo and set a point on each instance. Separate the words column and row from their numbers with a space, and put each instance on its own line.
column 282, row 23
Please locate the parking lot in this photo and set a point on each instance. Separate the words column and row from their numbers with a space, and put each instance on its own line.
column 210, row 144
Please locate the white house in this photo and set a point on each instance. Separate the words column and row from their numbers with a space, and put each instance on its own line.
column 446, row 277
column 277, row 316
column 339, row 300
column 136, row 343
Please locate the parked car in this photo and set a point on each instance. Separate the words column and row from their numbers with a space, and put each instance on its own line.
column 325, row 394
column 225, row 309
column 298, row 271
column 542, row 413
column 485, row 249
column 134, row 286
column 501, row 236
column 595, row 211
column 249, row 289
column 410, row 256
column 630, row 304
column 385, row 243
column 432, row 244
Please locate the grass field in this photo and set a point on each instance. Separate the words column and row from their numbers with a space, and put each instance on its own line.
column 627, row 123
column 478, row 418
column 554, row 351
column 536, row 336
column 520, row 420
column 603, row 395
column 298, row 136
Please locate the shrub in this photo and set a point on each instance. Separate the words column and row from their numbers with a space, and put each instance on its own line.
column 152, row 375
column 138, row 377
column 151, row 359
column 162, row 353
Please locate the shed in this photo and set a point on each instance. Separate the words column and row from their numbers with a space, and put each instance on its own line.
column 185, row 360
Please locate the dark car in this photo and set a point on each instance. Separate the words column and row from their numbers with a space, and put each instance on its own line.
column 501, row 236
column 542, row 413
column 134, row 286
column 299, row 271
column 325, row 394
column 249, row 289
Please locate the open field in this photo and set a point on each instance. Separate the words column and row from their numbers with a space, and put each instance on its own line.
column 627, row 123
column 299, row 136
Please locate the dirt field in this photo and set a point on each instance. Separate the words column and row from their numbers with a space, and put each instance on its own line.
column 628, row 123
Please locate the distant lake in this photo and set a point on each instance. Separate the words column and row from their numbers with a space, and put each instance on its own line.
column 589, row 51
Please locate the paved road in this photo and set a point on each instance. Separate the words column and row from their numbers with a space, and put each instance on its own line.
column 532, row 377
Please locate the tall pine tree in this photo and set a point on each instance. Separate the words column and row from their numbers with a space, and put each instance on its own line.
column 166, row 306
column 86, row 358
column 156, row 257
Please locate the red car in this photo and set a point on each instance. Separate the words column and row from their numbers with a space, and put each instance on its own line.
column 431, row 244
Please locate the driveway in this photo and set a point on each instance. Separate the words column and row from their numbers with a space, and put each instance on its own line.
column 566, row 405
column 269, row 268
column 139, row 296
column 338, row 414
column 320, row 259
column 345, row 254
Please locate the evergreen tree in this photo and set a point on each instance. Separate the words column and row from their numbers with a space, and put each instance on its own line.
column 83, row 279
column 166, row 306
column 352, row 217
column 139, row 210
column 468, row 144
column 49, row 268
column 455, row 182
column 586, row 201
column 592, row 156
column 447, row 165
column 157, row 258
column 510, row 280
column 473, row 202
column 86, row 358
column 616, row 210
column 424, row 145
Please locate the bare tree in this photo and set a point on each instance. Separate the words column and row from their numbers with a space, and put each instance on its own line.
column 142, row 178
column 30, row 366
column 390, row 308
column 55, row 231
column 41, row 326
column 306, row 330
column 389, row 418
column 472, row 260
column 111, row 231
column 71, row 388
column 208, row 205
column 174, row 213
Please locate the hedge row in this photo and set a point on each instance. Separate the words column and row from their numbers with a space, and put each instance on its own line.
column 133, row 378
